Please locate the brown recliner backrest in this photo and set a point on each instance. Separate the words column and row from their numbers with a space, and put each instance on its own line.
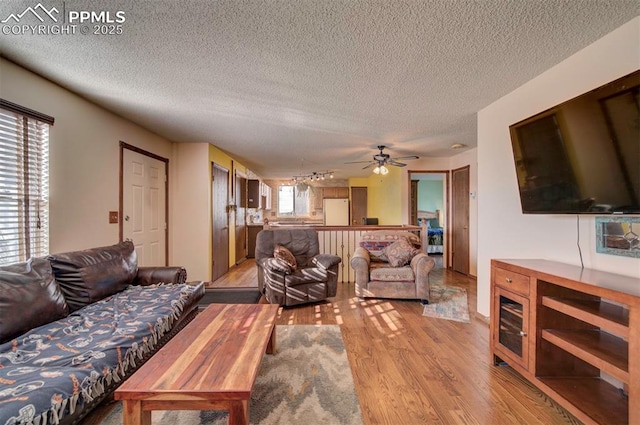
column 303, row 244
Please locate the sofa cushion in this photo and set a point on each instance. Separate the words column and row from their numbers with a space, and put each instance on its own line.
column 376, row 241
column 93, row 274
column 59, row 368
column 29, row 297
column 400, row 252
column 303, row 244
column 306, row 275
column 392, row 274
column 285, row 256
column 375, row 249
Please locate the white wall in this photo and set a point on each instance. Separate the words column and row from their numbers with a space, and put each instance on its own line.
column 84, row 158
column 503, row 231
column 190, row 209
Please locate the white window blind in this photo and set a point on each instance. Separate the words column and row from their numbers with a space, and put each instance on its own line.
column 24, row 183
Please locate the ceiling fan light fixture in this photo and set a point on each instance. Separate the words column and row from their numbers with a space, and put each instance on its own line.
column 376, row 170
column 384, row 170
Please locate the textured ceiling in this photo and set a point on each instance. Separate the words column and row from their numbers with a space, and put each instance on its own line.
column 295, row 86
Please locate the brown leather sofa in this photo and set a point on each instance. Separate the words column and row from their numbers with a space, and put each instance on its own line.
column 315, row 277
column 75, row 325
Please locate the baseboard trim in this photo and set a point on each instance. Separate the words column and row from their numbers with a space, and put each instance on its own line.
column 484, row 319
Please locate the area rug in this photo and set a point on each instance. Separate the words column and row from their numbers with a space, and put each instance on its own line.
column 447, row 302
column 308, row 381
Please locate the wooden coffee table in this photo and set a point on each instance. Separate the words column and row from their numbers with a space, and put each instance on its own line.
column 210, row 365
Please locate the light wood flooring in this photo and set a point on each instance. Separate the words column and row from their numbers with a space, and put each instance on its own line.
column 410, row 369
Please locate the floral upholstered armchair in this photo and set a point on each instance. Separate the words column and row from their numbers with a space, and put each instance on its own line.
column 390, row 264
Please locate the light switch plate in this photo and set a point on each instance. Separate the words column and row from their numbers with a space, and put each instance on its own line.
column 113, row 217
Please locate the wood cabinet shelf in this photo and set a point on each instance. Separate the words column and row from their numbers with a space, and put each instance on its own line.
column 600, row 349
column 572, row 332
column 598, row 399
column 607, row 316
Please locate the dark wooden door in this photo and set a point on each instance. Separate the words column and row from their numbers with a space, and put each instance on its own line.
column 413, row 201
column 220, row 197
column 241, row 214
column 460, row 220
column 358, row 205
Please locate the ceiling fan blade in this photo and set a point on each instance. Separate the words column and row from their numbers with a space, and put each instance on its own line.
column 402, row 158
column 395, row 163
column 356, row 162
column 368, row 166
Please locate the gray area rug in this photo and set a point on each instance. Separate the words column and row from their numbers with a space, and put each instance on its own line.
column 308, row 381
column 447, row 302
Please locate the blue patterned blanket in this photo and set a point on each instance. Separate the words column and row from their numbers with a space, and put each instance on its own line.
column 54, row 369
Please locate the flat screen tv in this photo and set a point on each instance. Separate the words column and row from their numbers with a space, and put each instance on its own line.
column 582, row 156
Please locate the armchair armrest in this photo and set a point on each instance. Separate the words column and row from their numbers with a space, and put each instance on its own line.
column 275, row 265
column 152, row 275
column 360, row 259
column 422, row 264
column 326, row 261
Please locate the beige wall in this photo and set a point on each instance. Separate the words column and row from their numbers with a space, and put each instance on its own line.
column 503, row 231
column 190, row 207
column 84, row 158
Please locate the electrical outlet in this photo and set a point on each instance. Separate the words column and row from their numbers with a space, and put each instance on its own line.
column 113, row 217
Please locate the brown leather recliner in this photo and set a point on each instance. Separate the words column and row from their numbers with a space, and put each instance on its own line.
column 314, row 279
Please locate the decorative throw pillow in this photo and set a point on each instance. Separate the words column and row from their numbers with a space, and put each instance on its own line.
column 285, row 256
column 400, row 252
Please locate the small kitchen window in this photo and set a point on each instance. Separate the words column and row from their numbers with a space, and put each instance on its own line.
column 292, row 201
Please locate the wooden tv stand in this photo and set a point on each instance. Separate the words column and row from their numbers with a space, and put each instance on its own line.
column 572, row 332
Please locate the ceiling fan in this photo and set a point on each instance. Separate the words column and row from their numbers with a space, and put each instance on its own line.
column 381, row 159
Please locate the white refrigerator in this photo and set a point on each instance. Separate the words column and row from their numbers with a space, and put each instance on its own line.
column 336, row 212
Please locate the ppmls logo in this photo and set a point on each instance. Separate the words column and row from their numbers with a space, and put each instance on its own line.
column 69, row 22
column 34, row 11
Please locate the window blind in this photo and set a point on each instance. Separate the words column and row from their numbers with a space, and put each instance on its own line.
column 24, row 183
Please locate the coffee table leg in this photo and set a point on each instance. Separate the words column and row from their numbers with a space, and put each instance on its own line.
column 239, row 412
column 271, row 345
column 133, row 414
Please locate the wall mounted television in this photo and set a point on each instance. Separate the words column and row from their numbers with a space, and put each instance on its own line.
column 582, row 156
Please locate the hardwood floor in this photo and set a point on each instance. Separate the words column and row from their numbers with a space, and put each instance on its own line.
column 410, row 369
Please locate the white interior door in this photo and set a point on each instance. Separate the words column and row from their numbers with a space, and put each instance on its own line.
column 144, row 206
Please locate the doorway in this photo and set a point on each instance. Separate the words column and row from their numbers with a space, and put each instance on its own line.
column 428, row 195
column 358, row 205
column 143, row 204
column 460, row 220
column 220, row 217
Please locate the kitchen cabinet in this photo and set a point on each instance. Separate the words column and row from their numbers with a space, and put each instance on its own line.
column 335, row 192
column 266, row 196
column 253, row 193
column 254, row 229
column 259, row 195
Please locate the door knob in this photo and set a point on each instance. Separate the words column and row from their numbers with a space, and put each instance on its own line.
column 126, row 218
